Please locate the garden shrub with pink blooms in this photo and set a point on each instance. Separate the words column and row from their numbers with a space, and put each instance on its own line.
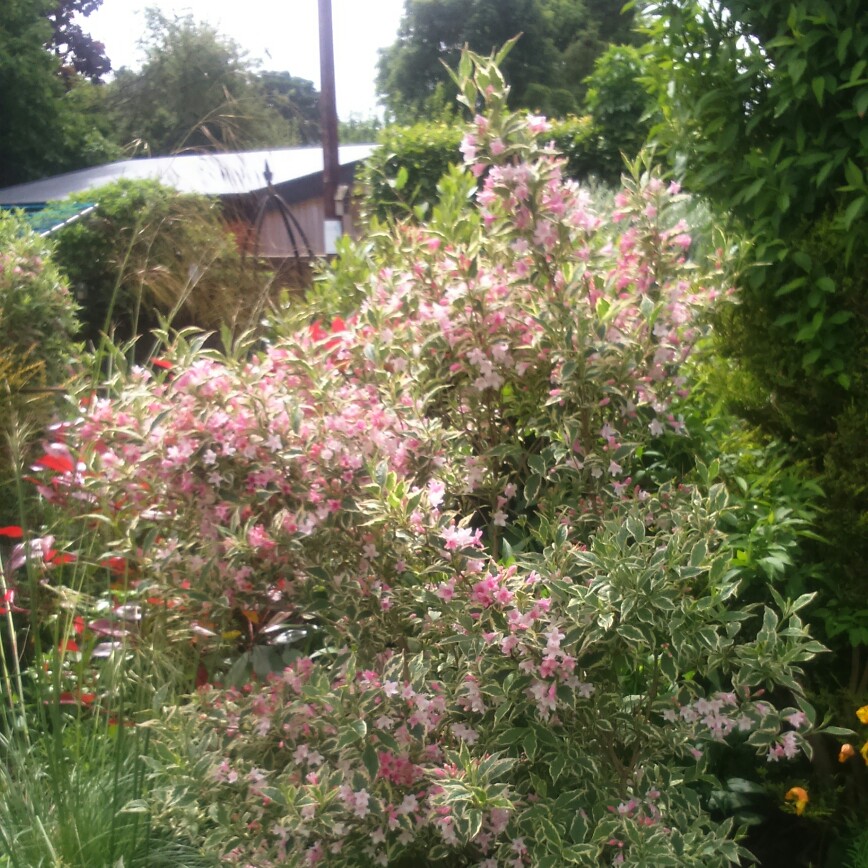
column 455, row 606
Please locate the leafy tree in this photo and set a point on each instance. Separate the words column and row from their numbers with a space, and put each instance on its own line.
column 763, row 108
column 546, row 69
column 619, row 106
column 296, row 100
column 50, row 121
column 38, row 321
column 77, row 50
column 360, row 130
column 195, row 90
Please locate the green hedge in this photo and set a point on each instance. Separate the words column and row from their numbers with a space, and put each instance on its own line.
column 402, row 175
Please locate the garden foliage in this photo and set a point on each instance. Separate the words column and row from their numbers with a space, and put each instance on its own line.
column 403, row 174
column 39, row 324
column 470, row 615
column 763, row 112
column 148, row 252
column 560, row 40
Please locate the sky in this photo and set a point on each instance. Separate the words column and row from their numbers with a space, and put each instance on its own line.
column 282, row 34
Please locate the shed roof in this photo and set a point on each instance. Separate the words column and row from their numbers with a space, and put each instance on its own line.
column 229, row 174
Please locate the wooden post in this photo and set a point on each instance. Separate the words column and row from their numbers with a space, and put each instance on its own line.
column 329, row 124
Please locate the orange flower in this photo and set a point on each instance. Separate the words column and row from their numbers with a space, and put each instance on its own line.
column 847, row 751
column 799, row 795
column 862, row 714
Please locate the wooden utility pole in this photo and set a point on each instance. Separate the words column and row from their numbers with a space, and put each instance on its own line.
column 329, row 124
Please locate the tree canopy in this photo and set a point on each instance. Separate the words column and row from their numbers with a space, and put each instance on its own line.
column 78, row 51
column 296, row 100
column 560, row 40
column 196, row 90
column 44, row 104
column 763, row 112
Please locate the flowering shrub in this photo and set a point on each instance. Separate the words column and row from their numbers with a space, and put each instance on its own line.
column 511, row 635
column 38, row 322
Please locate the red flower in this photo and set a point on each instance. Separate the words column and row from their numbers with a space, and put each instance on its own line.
column 60, row 463
column 12, row 531
column 8, row 602
column 56, row 558
column 318, row 333
column 77, row 698
column 115, row 564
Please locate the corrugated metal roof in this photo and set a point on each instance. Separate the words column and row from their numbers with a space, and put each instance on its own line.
column 209, row 174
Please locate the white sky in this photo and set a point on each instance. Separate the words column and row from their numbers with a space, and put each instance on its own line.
column 283, row 34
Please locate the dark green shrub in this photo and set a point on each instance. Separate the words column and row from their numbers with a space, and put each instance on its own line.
column 619, row 106
column 38, row 323
column 38, row 316
column 404, row 170
column 402, row 175
column 148, row 252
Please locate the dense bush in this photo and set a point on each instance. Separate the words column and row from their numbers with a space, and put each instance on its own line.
column 620, row 109
column 405, row 169
column 762, row 111
column 454, row 604
column 148, row 252
column 39, row 325
column 403, row 173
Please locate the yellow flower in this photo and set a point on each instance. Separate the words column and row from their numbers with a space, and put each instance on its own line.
column 847, row 751
column 799, row 795
column 862, row 714
column 864, row 751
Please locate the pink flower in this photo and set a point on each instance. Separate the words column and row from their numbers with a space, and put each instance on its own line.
column 457, row 538
column 258, row 538
column 537, row 124
column 446, row 591
column 797, row 719
column 436, row 490
column 358, row 802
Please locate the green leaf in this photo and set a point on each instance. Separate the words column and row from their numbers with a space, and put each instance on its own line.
column 636, row 527
column 796, row 69
column 807, row 331
column 818, row 85
column 532, row 489
column 753, row 190
column 803, row 260
column 537, row 465
column 371, row 761
column 790, row 286
column 854, row 209
column 853, row 173
column 580, row 854
column 844, row 39
column 632, row 634
column 550, row 833
column 837, row 730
